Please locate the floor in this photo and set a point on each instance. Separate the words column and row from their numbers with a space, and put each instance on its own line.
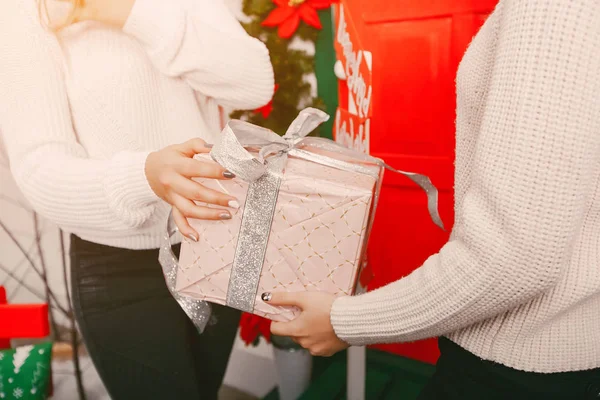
column 65, row 387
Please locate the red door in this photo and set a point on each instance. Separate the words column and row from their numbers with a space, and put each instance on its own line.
column 416, row 46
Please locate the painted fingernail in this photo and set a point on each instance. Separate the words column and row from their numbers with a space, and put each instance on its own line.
column 233, row 204
column 225, row 216
column 193, row 237
column 266, row 296
column 228, row 175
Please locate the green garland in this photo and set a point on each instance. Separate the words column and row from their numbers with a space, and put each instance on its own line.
column 290, row 67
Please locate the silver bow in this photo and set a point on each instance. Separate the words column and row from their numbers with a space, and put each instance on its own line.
column 258, row 156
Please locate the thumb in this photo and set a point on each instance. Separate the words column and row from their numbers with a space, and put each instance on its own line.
column 296, row 299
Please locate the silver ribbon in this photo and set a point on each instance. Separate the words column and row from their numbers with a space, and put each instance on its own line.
column 197, row 310
column 235, row 151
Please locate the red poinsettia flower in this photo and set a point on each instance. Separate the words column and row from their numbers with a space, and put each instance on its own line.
column 252, row 327
column 288, row 14
column 267, row 108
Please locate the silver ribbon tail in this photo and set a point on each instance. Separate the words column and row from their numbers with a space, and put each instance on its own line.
column 432, row 193
column 197, row 310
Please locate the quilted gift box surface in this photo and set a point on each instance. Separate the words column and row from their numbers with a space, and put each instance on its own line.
column 316, row 241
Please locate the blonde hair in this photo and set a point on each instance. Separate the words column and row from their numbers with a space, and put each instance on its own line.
column 70, row 18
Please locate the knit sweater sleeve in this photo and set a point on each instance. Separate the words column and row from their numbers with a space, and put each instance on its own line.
column 531, row 177
column 50, row 167
column 201, row 42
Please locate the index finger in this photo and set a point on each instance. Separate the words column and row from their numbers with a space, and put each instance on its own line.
column 193, row 147
column 193, row 168
column 295, row 299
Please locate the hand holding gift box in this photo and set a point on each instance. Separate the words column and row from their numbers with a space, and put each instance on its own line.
column 307, row 209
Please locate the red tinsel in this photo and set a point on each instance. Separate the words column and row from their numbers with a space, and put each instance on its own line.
column 267, row 108
column 288, row 14
column 252, row 327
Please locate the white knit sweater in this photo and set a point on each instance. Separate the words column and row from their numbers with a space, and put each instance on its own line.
column 519, row 281
column 79, row 113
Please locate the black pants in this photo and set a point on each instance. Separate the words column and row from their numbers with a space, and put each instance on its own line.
column 462, row 375
column 139, row 339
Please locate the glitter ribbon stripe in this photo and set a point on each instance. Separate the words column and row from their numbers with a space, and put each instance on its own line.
column 253, row 237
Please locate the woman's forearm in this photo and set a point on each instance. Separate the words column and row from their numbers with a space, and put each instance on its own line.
column 531, row 175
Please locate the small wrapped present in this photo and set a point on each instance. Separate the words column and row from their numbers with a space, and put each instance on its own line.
column 307, row 206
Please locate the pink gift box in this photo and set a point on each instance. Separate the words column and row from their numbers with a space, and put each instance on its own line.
column 316, row 243
column 307, row 206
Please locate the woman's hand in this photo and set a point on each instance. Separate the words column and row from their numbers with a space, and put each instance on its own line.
column 169, row 172
column 312, row 329
column 110, row 12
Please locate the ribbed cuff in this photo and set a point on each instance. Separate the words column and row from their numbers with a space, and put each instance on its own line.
column 403, row 311
column 153, row 22
column 346, row 323
column 433, row 300
column 126, row 184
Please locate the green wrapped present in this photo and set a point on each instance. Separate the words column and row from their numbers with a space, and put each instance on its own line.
column 25, row 372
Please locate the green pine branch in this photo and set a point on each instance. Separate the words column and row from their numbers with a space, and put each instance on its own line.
column 290, row 67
